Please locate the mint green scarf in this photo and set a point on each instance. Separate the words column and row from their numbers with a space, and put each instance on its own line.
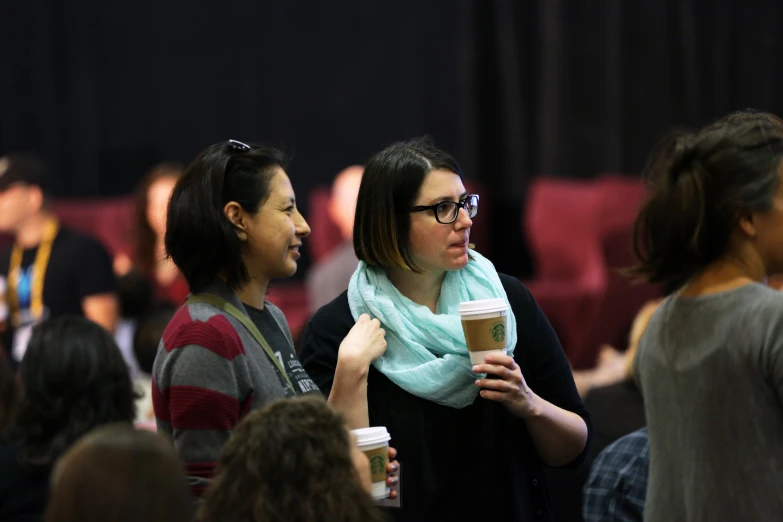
column 426, row 354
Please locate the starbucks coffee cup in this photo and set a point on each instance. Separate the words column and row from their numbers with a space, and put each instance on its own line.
column 485, row 323
column 374, row 442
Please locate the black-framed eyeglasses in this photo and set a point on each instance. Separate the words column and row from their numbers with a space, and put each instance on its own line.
column 446, row 212
column 238, row 145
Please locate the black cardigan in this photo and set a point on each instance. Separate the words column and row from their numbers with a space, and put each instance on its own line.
column 474, row 463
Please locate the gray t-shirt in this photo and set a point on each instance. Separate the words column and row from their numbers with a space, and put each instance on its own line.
column 277, row 340
column 710, row 369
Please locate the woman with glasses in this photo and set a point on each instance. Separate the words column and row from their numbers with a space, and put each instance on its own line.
column 473, row 438
column 232, row 227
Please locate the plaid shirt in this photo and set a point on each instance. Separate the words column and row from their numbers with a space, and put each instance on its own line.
column 617, row 486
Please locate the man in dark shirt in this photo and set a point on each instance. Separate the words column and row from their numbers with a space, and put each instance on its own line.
column 49, row 270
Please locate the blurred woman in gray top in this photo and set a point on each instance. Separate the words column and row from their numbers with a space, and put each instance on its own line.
column 710, row 365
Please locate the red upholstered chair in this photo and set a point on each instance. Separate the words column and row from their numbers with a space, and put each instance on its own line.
column 324, row 234
column 563, row 227
column 622, row 299
column 109, row 220
column 621, row 197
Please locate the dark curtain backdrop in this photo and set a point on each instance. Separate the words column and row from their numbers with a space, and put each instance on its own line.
column 513, row 88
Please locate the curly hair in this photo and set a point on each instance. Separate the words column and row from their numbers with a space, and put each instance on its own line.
column 290, row 461
column 73, row 379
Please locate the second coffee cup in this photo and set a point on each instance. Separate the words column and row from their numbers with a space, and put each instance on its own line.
column 374, row 442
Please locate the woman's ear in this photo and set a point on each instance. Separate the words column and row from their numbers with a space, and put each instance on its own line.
column 747, row 225
column 236, row 216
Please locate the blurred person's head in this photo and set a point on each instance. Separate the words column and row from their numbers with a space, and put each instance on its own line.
column 296, row 461
column 392, row 230
column 152, row 199
column 146, row 338
column 116, row 474
column 342, row 204
column 74, row 379
column 9, row 395
column 24, row 185
column 716, row 195
column 233, row 216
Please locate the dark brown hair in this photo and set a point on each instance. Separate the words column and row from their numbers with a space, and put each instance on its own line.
column 74, row 379
column 701, row 183
column 118, row 474
column 391, row 182
column 199, row 237
column 144, row 237
column 289, row 462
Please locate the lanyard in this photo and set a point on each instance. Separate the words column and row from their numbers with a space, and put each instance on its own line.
column 39, row 272
column 237, row 314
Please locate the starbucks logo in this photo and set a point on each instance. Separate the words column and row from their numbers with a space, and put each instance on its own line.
column 378, row 465
column 498, row 332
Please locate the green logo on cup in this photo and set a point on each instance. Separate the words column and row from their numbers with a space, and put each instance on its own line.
column 498, row 332
column 378, row 465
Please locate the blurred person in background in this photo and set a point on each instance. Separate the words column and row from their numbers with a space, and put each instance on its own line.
column 118, row 474
column 50, row 271
column 292, row 461
column 616, row 409
column 146, row 339
column 413, row 221
column 616, row 489
column 710, row 364
column 329, row 278
column 9, row 397
column 233, row 226
column 73, row 379
column 149, row 257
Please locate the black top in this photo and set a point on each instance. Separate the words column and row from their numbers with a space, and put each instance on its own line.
column 475, row 463
column 23, row 492
column 78, row 267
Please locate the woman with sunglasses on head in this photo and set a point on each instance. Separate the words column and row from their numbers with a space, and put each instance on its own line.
column 474, row 438
column 232, row 227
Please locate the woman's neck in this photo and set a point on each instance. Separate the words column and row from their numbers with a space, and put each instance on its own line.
column 30, row 233
column 253, row 292
column 423, row 289
column 726, row 273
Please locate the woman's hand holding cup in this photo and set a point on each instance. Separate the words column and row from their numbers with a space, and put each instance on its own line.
column 391, row 472
column 365, row 342
column 508, row 387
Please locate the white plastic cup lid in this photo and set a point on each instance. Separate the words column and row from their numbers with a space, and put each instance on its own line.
column 483, row 306
column 371, row 436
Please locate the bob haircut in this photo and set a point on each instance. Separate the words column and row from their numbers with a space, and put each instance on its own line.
column 391, row 182
column 199, row 237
